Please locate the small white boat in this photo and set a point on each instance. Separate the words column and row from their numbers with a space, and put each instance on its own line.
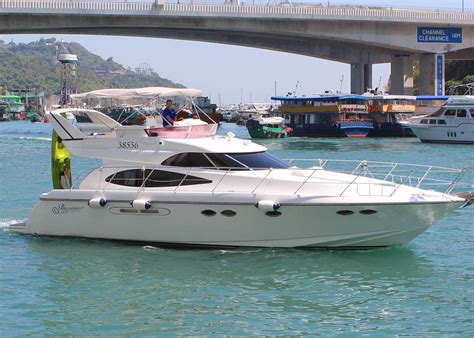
column 200, row 189
column 453, row 123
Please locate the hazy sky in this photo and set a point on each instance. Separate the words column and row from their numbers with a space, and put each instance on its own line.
column 228, row 70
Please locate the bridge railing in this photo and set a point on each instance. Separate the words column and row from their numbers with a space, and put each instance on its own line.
column 320, row 12
column 99, row 7
column 302, row 11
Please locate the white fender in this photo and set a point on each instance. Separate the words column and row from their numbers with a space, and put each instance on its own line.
column 98, row 202
column 141, row 204
column 265, row 205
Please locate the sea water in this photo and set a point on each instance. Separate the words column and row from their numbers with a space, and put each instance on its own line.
column 60, row 286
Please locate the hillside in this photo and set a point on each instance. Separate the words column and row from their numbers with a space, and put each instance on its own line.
column 34, row 65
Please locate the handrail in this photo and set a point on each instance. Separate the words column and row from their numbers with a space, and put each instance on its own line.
column 399, row 174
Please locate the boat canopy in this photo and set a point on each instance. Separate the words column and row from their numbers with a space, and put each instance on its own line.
column 321, row 98
column 393, row 97
column 131, row 93
column 432, row 98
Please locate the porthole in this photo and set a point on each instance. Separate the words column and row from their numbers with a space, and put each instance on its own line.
column 368, row 212
column 273, row 213
column 208, row 212
column 345, row 212
column 228, row 213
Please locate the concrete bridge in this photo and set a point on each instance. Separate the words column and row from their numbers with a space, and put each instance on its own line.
column 356, row 35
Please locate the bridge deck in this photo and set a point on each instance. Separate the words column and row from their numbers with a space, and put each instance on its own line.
column 300, row 12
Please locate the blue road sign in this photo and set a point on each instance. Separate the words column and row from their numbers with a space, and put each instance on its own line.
column 439, row 35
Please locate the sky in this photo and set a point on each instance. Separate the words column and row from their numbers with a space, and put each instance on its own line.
column 230, row 73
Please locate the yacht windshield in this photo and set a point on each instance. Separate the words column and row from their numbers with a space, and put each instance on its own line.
column 259, row 160
column 233, row 161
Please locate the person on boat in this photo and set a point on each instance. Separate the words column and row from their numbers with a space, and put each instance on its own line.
column 169, row 114
column 66, row 176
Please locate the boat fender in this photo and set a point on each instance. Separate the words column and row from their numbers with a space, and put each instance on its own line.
column 267, row 205
column 98, row 202
column 141, row 204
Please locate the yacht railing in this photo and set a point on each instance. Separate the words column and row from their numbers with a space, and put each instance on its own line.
column 390, row 176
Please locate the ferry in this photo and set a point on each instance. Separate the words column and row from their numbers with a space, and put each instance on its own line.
column 371, row 115
column 353, row 119
column 388, row 111
column 326, row 115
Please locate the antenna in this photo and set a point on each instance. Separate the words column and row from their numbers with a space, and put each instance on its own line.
column 342, row 80
column 296, row 87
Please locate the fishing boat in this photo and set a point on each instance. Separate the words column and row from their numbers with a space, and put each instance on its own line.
column 196, row 188
column 16, row 106
column 268, row 127
column 453, row 123
column 4, row 111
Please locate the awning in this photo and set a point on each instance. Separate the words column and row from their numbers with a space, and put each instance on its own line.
column 131, row 93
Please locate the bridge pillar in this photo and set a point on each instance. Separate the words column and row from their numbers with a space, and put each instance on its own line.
column 401, row 75
column 361, row 77
column 432, row 74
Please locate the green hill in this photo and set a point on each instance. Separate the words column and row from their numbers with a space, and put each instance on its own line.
column 34, row 65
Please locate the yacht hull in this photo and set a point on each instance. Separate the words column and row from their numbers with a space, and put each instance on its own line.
column 239, row 225
column 438, row 134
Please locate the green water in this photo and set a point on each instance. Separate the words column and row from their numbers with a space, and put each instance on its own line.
column 86, row 287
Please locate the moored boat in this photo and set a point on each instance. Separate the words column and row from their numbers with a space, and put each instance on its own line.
column 452, row 123
column 356, row 128
column 268, row 127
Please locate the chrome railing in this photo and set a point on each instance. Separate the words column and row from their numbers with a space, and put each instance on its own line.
column 390, row 176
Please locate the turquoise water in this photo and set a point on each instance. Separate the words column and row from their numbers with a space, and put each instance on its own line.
column 83, row 287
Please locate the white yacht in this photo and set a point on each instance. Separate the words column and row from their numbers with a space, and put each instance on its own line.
column 195, row 188
column 452, row 123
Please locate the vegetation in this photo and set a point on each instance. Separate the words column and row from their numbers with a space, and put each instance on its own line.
column 35, row 65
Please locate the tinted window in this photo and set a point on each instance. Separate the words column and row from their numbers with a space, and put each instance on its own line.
column 432, row 121
column 424, row 121
column 461, row 113
column 244, row 161
column 441, row 122
column 188, row 160
column 260, row 160
column 153, row 178
column 450, row 112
